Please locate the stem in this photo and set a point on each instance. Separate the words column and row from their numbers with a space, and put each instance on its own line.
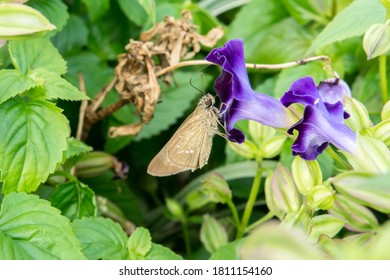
column 265, row 218
column 234, row 213
column 383, row 77
column 186, row 236
column 251, row 201
column 323, row 58
column 337, row 158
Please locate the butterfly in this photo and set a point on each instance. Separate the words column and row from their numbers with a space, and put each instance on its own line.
column 189, row 148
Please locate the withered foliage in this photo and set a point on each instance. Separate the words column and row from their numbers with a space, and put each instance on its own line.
column 166, row 44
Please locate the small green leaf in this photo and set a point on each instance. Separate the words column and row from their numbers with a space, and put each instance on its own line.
column 76, row 148
column 54, row 10
column 29, row 55
column 13, row 82
column 139, row 244
column 33, row 145
column 56, row 87
column 345, row 24
column 133, row 11
column 159, row 252
column 74, row 199
column 96, row 9
column 101, row 238
column 31, row 229
column 150, row 8
column 179, row 98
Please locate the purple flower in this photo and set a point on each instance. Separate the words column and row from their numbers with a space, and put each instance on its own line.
column 322, row 122
column 239, row 101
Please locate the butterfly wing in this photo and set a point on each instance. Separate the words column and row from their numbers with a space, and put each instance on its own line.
column 190, row 146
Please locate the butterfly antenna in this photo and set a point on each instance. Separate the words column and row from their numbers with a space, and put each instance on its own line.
column 201, row 75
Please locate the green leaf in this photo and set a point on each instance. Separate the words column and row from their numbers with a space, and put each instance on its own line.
column 96, row 9
column 74, row 199
column 76, row 148
column 96, row 73
column 33, row 145
column 159, row 252
column 31, row 229
column 55, row 11
column 307, row 10
column 229, row 251
column 73, row 36
column 176, row 100
column 101, row 238
column 354, row 20
column 28, row 55
column 139, row 244
column 133, row 11
column 56, row 87
column 13, row 82
column 251, row 23
column 150, row 8
column 284, row 41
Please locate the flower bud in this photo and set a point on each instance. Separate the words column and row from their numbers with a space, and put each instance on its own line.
column 272, row 147
column 365, row 188
column 299, row 220
column 321, row 197
column 33, row 23
column 359, row 119
column 247, row 149
column 197, row 199
column 306, row 174
column 217, row 189
column 281, row 193
column 357, row 217
column 382, row 132
column 175, row 209
column 326, row 224
column 372, row 156
column 376, row 40
column 385, row 114
column 94, row 164
column 212, row 234
column 260, row 132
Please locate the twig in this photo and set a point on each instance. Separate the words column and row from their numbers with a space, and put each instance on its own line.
column 83, row 107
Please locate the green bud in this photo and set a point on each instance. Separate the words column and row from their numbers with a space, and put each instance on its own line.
column 356, row 217
column 175, row 209
column 376, row 40
column 273, row 146
column 382, row 132
column 94, row 164
column 299, row 220
column 326, row 224
column 247, row 149
column 306, row 174
column 372, row 156
column 281, row 193
column 359, row 119
column 197, row 199
column 217, row 189
column 366, row 189
column 212, row 234
column 321, row 197
column 32, row 25
column 385, row 114
column 260, row 132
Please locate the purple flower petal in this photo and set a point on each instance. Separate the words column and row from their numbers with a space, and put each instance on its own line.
column 317, row 130
column 333, row 90
column 302, row 91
